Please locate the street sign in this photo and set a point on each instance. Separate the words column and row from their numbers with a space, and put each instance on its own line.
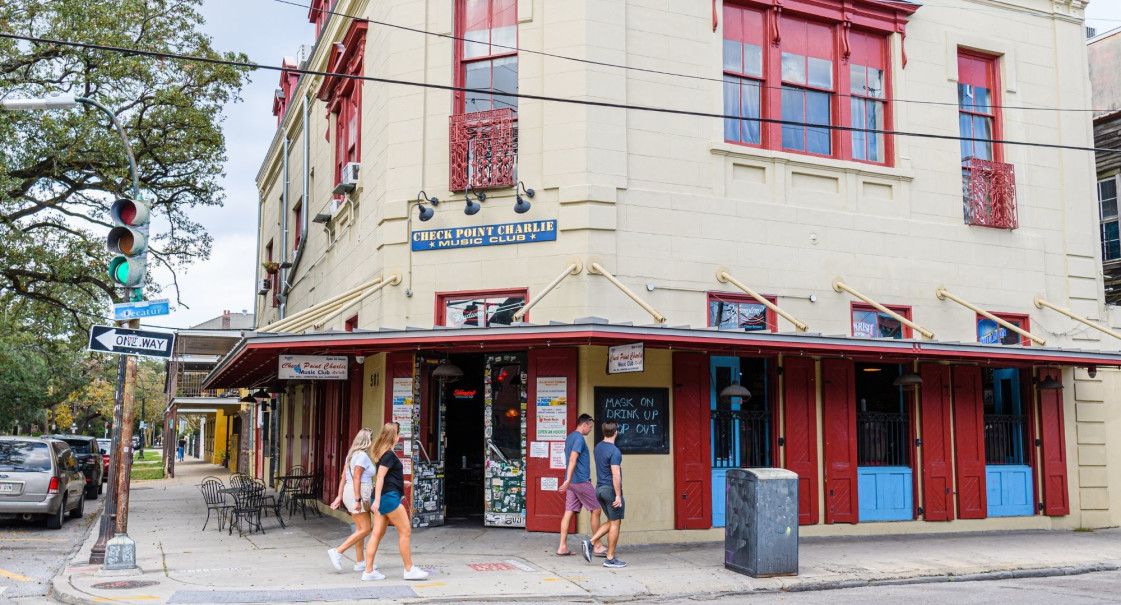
column 143, row 308
column 149, row 343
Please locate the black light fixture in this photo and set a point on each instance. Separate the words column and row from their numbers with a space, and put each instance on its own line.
column 734, row 390
column 422, row 198
column 1048, row 384
column 522, row 206
column 1092, row 371
column 247, row 399
column 447, row 372
column 473, row 206
column 907, row 380
column 260, row 396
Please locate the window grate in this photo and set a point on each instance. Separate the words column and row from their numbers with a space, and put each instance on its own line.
column 881, row 439
column 989, row 194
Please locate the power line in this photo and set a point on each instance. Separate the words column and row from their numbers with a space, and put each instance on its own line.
column 647, row 70
column 544, row 98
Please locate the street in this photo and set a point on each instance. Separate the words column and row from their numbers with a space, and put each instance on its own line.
column 31, row 554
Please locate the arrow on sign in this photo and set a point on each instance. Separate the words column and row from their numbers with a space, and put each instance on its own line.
column 111, row 339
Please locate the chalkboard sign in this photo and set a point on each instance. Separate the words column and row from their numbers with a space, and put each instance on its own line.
column 642, row 415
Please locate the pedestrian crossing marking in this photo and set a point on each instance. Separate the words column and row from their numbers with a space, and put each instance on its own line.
column 15, row 576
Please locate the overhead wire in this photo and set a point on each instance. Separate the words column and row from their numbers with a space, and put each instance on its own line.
column 545, row 98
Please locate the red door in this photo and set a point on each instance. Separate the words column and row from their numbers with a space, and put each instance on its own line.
column 305, row 435
column 692, row 469
column 969, row 441
column 800, row 432
column 544, row 508
column 839, row 420
column 1052, row 456
column 937, row 468
column 290, row 413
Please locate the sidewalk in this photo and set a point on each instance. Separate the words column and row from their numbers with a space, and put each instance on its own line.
column 181, row 564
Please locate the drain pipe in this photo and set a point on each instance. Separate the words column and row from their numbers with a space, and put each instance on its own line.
column 257, row 316
column 283, row 275
column 286, row 285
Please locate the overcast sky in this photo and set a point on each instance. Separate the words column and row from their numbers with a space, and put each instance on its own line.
column 267, row 31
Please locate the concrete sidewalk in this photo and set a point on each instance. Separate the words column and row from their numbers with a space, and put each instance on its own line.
column 182, row 564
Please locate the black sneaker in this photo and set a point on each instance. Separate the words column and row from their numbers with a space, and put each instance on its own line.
column 586, row 547
column 614, row 563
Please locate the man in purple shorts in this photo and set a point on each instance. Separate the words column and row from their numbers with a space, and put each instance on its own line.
column 577, row 487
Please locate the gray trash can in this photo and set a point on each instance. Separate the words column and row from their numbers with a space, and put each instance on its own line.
column 761, row 522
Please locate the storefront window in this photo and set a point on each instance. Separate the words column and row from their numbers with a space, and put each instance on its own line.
column 881, row 417
column 495, row 309
column 868, row 322
column 507, row 433
column 990, row 332
column 740, row 312
column 1004, row 418
column 741, row 429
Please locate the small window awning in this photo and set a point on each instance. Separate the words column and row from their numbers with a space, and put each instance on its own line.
column 253, row 362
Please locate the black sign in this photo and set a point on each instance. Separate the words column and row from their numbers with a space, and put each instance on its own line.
column 642, row 415
column 149, row 343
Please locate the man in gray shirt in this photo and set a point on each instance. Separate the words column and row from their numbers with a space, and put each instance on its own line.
column 609, row 492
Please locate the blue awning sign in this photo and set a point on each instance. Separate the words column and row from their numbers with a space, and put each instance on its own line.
column 485, row 235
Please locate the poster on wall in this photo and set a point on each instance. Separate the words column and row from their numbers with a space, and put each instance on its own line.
column 403, row 405
column 556, row 456
column 552, row 408
column 314, row 367
column 625, row 358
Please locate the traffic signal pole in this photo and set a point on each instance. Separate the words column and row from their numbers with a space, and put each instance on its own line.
column 109, row 510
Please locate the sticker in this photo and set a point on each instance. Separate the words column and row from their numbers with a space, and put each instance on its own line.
column 556, row 455
column 538, row 449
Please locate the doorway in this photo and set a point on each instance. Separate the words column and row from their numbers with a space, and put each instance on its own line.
column 464, row 461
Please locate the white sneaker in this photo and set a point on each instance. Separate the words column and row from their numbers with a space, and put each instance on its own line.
column 336, row 559
column 361, row 566
column 415, row 573
column 373, row 575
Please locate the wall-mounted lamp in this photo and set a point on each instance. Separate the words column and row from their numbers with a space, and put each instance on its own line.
column 1048, row 384
column 321, row 218
column 522, row 206
column 734, row 390
column 907, row 380
column 473, row 206
column 426, row 212
column 359, row 359
column 260, row 396
column 1092, row 371
column 447, row 372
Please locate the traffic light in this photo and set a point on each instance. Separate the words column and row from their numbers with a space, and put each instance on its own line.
column 128, row 242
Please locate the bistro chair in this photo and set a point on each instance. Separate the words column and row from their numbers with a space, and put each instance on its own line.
column 272, row 502
column 215, row 500
column 307, row 494
column 247, row 509
column 240, row 480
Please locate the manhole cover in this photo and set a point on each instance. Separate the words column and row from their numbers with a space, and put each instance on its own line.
column 124, row 584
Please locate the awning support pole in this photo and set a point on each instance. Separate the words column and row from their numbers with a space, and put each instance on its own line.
column 574, row 268
column 316, row 308
column 393, row 280
column 840, row 286
column 941, row 293
column 723, row 276
column 1040, row 303
column 595, row 267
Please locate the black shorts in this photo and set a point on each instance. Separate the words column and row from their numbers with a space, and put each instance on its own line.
column 606, row 496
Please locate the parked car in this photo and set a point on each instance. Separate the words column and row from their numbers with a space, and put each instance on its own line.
column 105, row 445
column 40, row 477
column 88, row 453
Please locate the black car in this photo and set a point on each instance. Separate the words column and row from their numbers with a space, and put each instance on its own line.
column 88, row 454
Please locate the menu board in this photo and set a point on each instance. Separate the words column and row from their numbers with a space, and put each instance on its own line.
column 642, row 415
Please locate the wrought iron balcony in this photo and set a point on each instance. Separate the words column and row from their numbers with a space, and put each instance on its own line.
column 989, row 194
column 189, row 384
column 484, row 149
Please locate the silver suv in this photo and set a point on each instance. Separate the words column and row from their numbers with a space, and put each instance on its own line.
column 40, row 477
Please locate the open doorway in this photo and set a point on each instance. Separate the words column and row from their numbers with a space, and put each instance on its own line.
column 464, row 463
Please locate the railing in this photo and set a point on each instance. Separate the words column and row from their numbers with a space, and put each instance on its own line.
column 882, row 439
column 189, row 384
column 989, row 194
column 1004, row 439
column 740, row 438
column 484, row 149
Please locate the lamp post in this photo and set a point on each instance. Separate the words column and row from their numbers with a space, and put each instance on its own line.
column 121, row 549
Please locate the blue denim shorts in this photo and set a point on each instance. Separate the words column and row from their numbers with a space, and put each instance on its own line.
column 389, row 502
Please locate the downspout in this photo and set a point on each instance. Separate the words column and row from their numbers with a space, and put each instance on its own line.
column 257, row 316
column 286, row 286
column 283, row 276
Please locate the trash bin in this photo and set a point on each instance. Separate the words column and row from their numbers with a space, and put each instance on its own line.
column 761, row 522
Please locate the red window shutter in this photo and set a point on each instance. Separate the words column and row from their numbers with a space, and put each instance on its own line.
column 969, row 441
column 544, row 509
column 1053, row 457
column 937, row 468
column 692, row 469
column 800, row 432
column 839, row 413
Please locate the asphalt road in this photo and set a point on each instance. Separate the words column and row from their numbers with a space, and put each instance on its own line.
column 31, row 554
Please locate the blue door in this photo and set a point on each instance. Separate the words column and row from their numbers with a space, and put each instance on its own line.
column 740, row 428
column 1008, row 477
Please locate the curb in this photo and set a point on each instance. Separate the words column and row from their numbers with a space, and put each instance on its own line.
column 1046, row 572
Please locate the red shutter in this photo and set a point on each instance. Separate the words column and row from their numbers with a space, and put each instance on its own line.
column 1053, row 453
column 839, row 416
column 544, row 509
column 692, row 469
column 800, row 432
column 969, row 441
column 937, row 469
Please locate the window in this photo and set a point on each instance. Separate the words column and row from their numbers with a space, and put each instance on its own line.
column 740, row 312
column 274, row 278
column 818, row 64
column 318, row 14
column 488, row 54
column 351, row 324
column 298, row 225
column 977, row 97
column 343, row 96
column 869, row 322
column 882, row 428
column 482, row 309
column 1004, row 417
column 1107, row 206
column 990, row 332
column 741, row 430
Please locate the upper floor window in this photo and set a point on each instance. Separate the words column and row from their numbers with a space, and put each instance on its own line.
column 978, row 117
column 990, row 332
column 1107, row 206
column 283, row 95
column 481, row 309
column 743, row 74
column 343, row 94
column 488, row 55
column 274, row 279
column 869, row 322
column 868, row 90
column 351, row 323
column 807, row 85
column 740, row 312
column 297, row 225
column 318, row 13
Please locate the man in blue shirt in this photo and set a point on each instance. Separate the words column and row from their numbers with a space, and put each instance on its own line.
column 577, row 487
column 609, row 493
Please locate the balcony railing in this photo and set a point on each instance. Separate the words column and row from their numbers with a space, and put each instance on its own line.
column 740, row 438
column 989, row 194
column 1004, row 439
column 881, row 439
column 484, row 149
column 190, row 385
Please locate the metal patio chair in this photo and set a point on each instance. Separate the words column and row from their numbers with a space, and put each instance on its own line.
column 307, row 494
column 215, row 500
column 272, row 502
column 247, row 509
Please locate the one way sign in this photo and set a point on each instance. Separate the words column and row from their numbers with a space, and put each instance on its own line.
column 111, row 339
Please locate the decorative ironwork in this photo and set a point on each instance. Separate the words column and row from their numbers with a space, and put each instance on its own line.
column 484, row 149
column 1004, row 439
column 189, row 384
column 740, row 438
column 882, row 439
column 989, row 194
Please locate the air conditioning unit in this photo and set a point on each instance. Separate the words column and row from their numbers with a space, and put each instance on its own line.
column 264, row 286
column 349, row 178
column 336, row 205
column 303, row 54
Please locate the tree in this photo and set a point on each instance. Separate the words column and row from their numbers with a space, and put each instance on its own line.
column 60, row 170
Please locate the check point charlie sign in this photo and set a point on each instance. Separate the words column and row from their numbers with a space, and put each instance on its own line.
column 312, row 367
column 485, row 235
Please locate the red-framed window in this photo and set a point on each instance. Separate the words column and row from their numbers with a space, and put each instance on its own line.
column 343, row 95
column 351, row 323
column 318, row 14
column 486, row 54
column 274, row 278
column 869, row 322
column 988, row 331
column 297, row 225
column 820, row 64
column 736, row 311
column 978, row 105
column 479, row 308
column 283, row 95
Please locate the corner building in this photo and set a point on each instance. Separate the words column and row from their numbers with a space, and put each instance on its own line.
column 919, row 320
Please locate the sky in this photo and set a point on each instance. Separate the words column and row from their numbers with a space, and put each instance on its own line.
column 267, row 31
